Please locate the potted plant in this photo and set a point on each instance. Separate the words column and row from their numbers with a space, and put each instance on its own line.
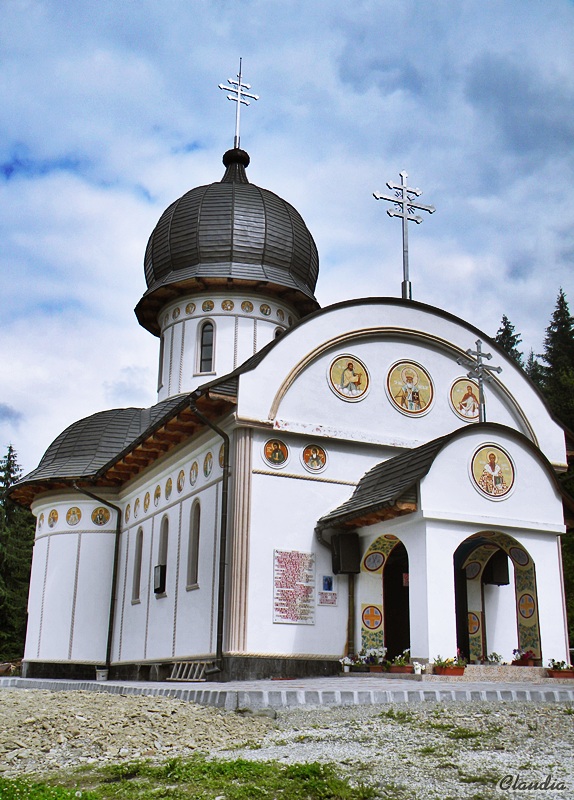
column 347, row 662
column 523, row 658
column 402, row 663
column 360, row 662
column 492, row 659
column 375, row 659
column 560, row 669
column 450, row 666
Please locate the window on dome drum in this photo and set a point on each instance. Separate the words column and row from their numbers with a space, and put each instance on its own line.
column 137, row 576
column 160, row 570
column 206, row 347
column 193, row 547
column 160, row 368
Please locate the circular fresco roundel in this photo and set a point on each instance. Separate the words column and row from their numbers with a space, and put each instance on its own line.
column 374, row 561
column 473, row 623
column 372, row 618
column 276, row 452
column 464, row 399
column 410, row 388
column 348, row 378
column 492, row 471
column 314, row 458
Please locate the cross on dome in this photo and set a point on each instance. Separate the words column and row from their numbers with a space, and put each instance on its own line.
column 405, row 205
column 238, row 95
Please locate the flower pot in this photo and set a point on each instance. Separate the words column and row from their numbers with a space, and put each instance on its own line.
column 403, row 669
column 448, row 670
column 101, row 674
column 561, row 673
column 375, row 667
column 346, row 667
column 523, row 662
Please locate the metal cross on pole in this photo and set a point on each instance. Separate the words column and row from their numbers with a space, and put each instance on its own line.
column 480, row 372
column 238, row 95
column 404, row 200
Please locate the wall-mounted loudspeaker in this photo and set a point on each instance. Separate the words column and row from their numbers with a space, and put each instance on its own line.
column 345, row 553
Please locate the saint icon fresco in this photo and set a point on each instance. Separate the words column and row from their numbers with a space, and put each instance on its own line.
column 464, row 399
column 276, row 452
column 314, row 458
column 493, row 471
column 348, row 378
column 410, row 388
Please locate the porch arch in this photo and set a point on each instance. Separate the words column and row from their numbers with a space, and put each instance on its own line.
column 470, row 563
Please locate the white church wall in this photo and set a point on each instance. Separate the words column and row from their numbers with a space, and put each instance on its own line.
column 284, row 512
column 36, row 589
column 243, row 324
column 532, row 501
column 410, row 531
column 543, row 549
column 500, row 617
column 291, row 386
column 178, row 622
column 441, row 542
column 71, row 581
column 195, row 617
column 92, row 602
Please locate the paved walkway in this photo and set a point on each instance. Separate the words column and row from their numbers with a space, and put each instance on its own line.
column 309, row 692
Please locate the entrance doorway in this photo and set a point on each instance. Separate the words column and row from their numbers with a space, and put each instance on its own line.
column 396, row 601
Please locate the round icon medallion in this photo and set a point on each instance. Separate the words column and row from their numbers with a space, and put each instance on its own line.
column 409, row 388
column 348, row 378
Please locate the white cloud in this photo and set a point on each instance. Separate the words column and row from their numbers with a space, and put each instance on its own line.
column 111, row 111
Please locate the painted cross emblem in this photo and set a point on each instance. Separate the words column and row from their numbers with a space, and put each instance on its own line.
column 372, row 617
column 526, row 606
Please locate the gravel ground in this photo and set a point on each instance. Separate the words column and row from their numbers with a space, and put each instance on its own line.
column 418, row 751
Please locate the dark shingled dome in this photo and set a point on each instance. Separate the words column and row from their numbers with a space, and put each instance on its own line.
column 86, row 446
column 229, row 233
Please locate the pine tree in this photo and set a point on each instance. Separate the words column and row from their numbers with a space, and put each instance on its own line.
column 16, row 541
column 558, row 372
column 534, row 369
column 509, row 340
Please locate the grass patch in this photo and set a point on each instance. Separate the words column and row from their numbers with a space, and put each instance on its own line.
column 198, row 777
column 428, row 750
column 487, row 778
column 23, row 789
column 397, row 716
column 463, row 733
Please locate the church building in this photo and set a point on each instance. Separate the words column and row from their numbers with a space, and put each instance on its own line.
column 311, row 482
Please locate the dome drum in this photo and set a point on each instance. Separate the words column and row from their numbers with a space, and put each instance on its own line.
column 229, row 234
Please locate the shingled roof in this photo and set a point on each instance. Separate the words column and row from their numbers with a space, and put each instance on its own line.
column 389, row 489
column 111, row 447
column 385, row 485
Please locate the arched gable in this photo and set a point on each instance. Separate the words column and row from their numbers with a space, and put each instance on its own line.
column 295, row 385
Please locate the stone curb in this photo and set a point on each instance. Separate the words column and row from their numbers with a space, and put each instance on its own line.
column 252, row 697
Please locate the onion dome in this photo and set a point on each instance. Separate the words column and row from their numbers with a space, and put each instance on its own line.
column 229, row 234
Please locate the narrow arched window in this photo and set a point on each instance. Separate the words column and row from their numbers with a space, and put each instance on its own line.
column 206, row 347
column 193, row 547
column 160, row 364
column 160, row 571
column 278, row 333
column 137, row 575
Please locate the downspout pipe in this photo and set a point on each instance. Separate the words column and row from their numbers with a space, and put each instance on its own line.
column 222, row 533
column 350, row 645
column 114, row 592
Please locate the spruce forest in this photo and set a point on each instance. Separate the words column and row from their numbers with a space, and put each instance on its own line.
column 551, row 371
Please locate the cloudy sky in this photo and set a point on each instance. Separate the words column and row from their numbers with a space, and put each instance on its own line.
column 109, row 110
